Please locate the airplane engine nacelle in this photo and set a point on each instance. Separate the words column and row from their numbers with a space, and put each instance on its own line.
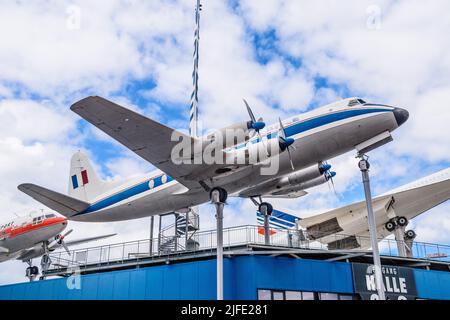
column 306, row 175
column 300, row 180
column 232, row 135
column 308, row 184
column 254, row 152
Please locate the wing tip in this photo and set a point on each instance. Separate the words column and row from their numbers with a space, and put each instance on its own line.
column 81, row 103
column 24, row 186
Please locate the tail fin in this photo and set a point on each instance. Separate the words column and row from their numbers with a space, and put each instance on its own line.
column 84, row 184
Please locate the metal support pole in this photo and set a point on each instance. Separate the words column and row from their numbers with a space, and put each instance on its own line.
column 219, row 217
column 266, row 230
column 159, row 235
column 152, row 224
column 215, row 198
column 409, row 248
column 364, row 167
column 400, row 239
column 263, row 209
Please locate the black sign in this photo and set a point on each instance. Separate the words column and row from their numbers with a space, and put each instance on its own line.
column 399, row 282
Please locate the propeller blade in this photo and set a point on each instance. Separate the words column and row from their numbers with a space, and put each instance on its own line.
column 287, row 141
column 330, row 179
column 250, row 112
column 282, row 130
column 290, row 159
column 67, row 233
column 65, row 247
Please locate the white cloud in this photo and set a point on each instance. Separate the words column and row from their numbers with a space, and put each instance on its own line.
column 32, row 121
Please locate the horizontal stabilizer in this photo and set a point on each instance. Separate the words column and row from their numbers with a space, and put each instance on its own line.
column 65, row 205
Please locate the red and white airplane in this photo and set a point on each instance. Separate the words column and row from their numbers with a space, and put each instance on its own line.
column 36, row 235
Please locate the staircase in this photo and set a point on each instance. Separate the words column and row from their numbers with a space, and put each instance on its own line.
column 179, row 235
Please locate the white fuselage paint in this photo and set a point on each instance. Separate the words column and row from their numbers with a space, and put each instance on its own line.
column 319, row 135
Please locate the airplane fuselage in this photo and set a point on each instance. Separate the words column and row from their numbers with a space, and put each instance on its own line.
column 318, row 135
column 26, row 233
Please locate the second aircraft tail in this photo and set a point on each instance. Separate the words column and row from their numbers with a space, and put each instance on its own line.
column 84, row 184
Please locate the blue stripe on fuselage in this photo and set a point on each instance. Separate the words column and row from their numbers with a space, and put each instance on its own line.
column 291, row 130
column 128, row 193
column 319, row 121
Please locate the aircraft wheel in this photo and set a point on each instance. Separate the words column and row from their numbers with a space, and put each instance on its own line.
column 266, row 208
column 390, row 226
column 402, row 221
column 410, row 234
column 223, row 195
column 35, row 270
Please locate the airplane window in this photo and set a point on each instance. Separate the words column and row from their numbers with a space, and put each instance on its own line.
column 353, row 102
column 50, row 215
column 356, row 102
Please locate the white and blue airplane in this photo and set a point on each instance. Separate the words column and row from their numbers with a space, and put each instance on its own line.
column 300, row 144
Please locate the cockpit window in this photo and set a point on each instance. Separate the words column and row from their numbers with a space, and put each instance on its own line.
column 51, row 215
column 356, row 102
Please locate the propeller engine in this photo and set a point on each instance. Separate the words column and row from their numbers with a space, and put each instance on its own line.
column 296, row 181
column 253, row 124
column 59, row 241
column 238, row 133
column 285, row 143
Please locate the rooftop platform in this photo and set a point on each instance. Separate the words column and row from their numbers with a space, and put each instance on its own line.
column 238, row 241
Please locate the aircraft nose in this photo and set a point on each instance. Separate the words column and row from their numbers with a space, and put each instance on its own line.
column 401, row 115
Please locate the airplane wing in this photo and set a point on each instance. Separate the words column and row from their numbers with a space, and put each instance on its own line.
column 84, row 240
column 347, row 228
column 65, row 205
column 149, row 139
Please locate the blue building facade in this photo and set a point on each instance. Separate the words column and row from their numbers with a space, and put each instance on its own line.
column 245, row 277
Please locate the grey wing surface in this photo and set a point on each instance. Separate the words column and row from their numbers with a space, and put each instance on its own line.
column 149, row 139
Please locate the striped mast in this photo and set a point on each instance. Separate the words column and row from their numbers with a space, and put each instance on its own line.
column 193, row 114
column 193, row 127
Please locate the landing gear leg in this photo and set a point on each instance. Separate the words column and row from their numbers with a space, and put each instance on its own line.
column 410, row 235
column 265, row 209
column 45, row 261
column 403, row 238
column 218, row 197
column 32, row 271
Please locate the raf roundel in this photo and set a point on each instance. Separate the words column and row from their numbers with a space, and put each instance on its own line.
column 164, row 179
column 151, row 184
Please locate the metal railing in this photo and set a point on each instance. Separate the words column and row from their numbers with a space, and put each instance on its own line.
column 232, row 238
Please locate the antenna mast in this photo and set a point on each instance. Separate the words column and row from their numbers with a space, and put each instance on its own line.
column 194, row 97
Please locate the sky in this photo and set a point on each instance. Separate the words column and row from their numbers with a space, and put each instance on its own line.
column 285, row 57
